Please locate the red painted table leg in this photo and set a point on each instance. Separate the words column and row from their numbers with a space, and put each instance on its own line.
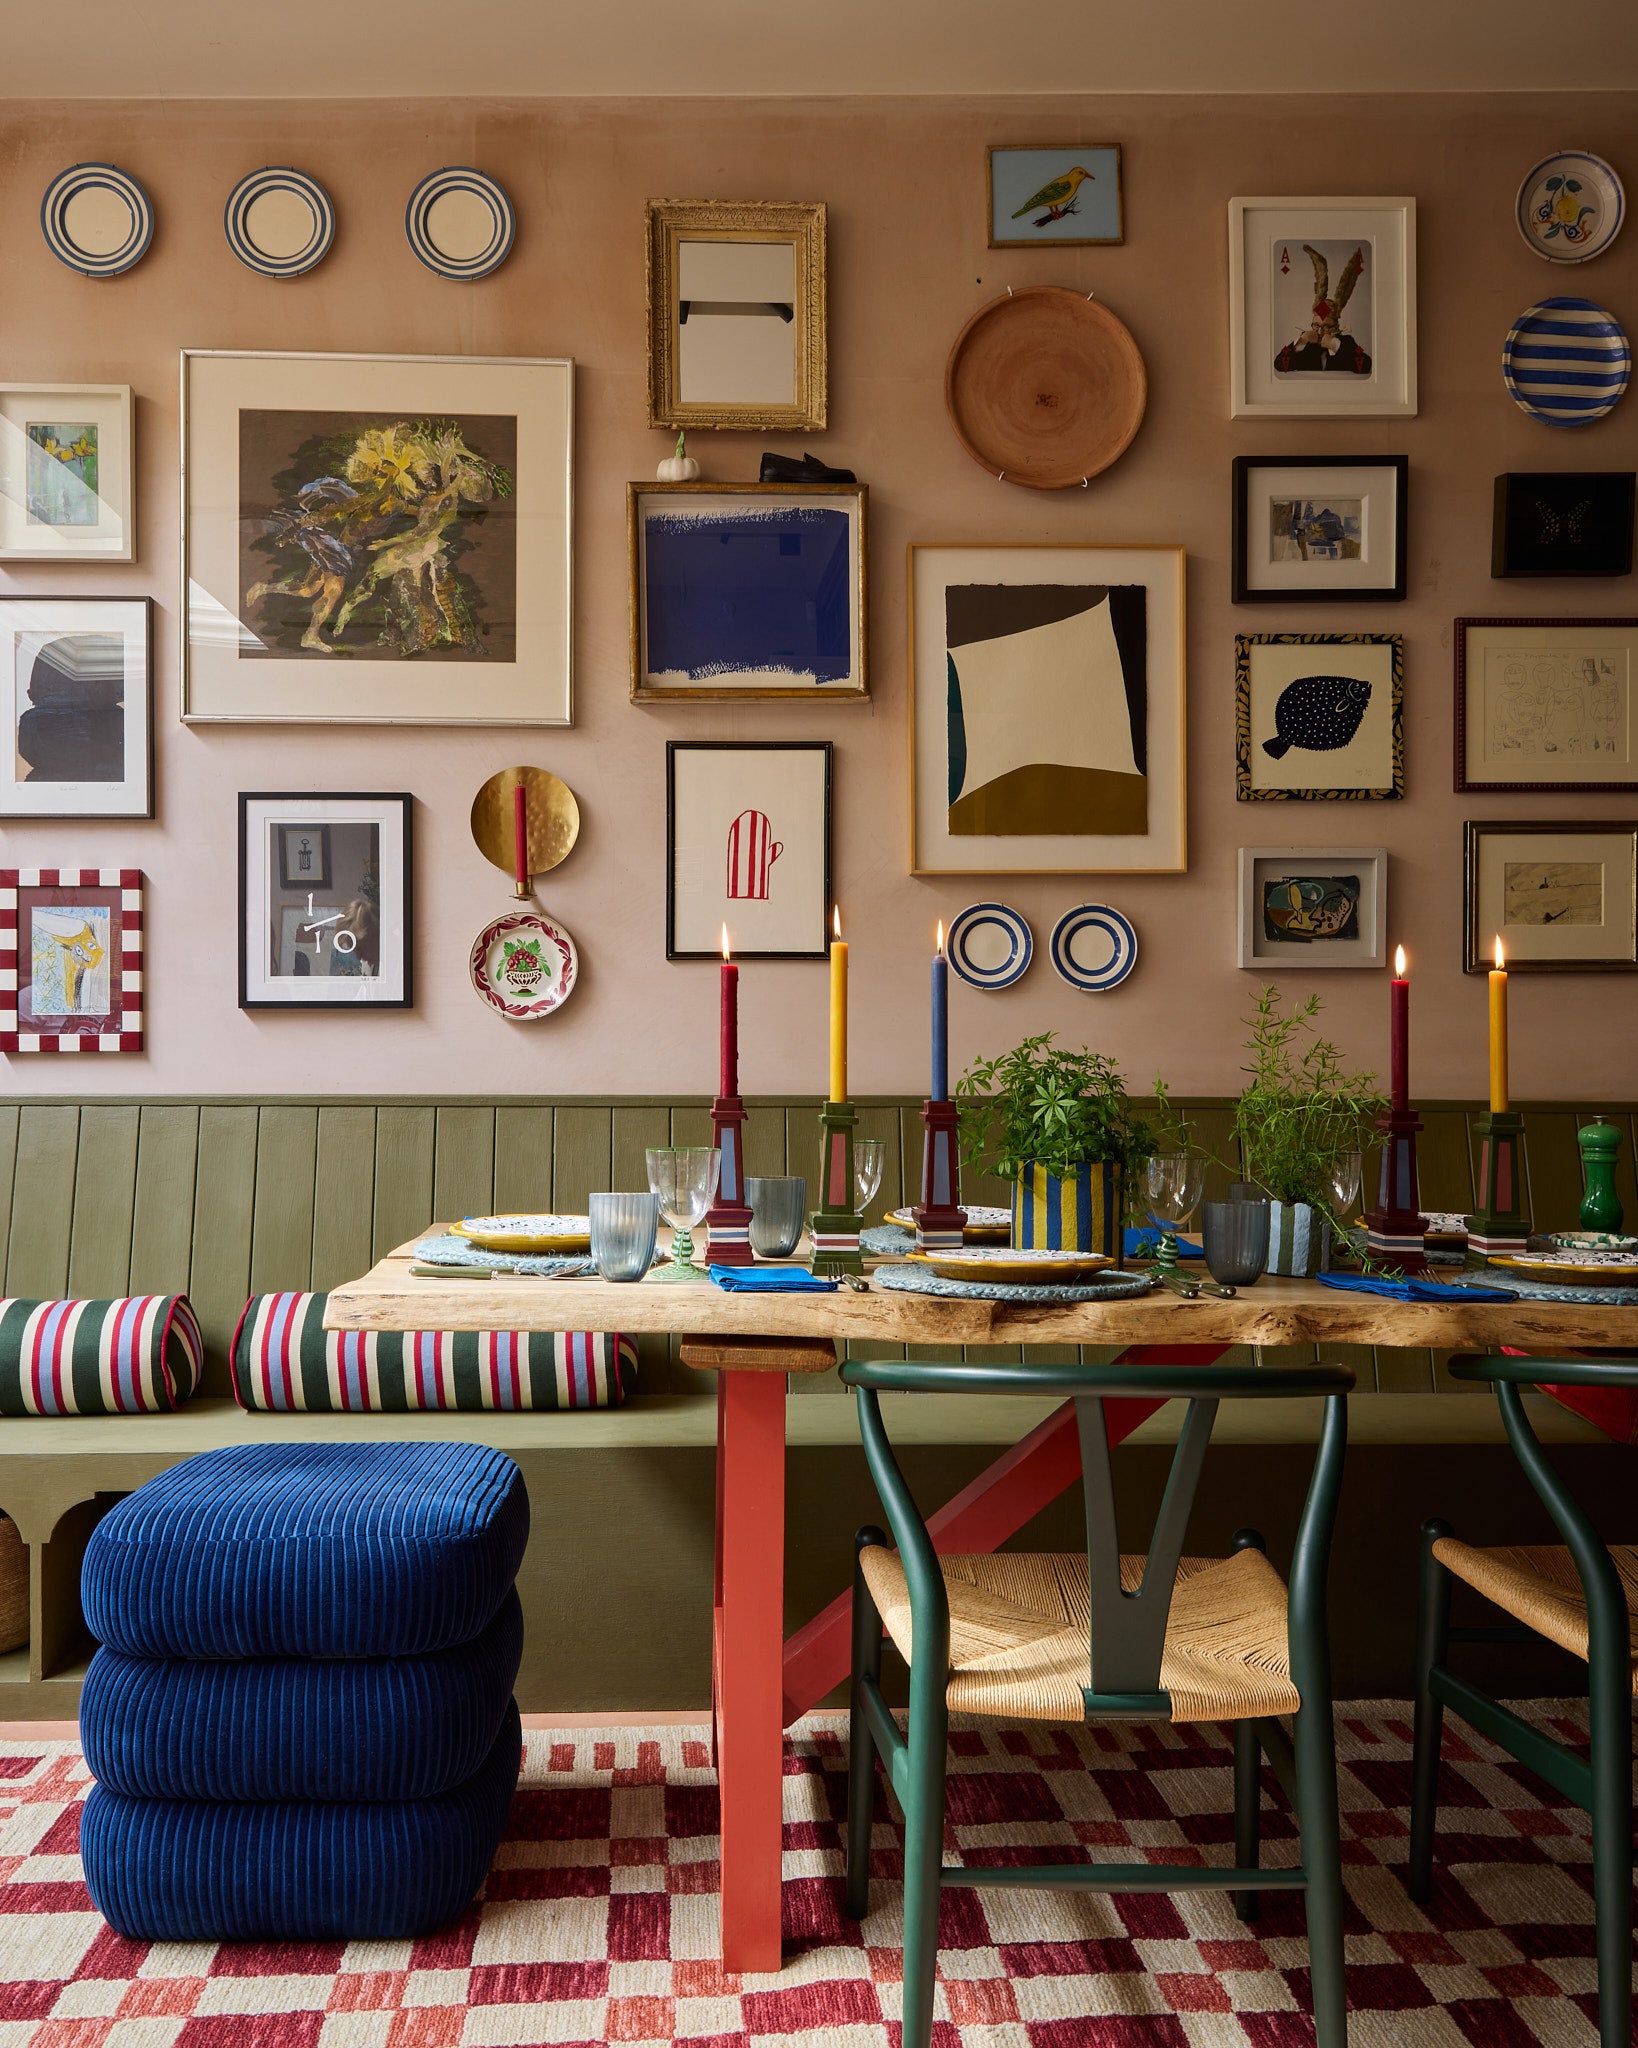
column 750, row 1630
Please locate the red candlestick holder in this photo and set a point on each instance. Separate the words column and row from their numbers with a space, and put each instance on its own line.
column 728, row 1220
column 940, row 1219
column 1396, row 1229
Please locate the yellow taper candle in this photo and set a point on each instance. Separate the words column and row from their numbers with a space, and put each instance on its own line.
column 838, row 1010
column 1498, row 1030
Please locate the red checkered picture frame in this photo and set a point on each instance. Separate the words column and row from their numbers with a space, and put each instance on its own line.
column 71, row 983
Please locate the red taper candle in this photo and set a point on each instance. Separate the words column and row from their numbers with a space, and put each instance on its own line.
column 728, row 1080
column 520, row 838
column 1399, row 1034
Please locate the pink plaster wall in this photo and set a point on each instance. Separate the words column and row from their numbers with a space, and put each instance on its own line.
column 905, row 185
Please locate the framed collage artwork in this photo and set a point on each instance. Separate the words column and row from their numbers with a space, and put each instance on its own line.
column 1046, row 710
column 1561, row 897
column 748, row 846
column 76, row 705
column 325, row 901
column 1316, row 528
column 65, row 473
column 1313, row 907
column 1319, row 717
column 71, row 951
column 1546, row 704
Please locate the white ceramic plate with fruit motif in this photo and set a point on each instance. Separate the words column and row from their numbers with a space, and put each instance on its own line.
column 524, row 965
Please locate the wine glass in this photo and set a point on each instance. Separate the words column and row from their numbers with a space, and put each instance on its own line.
column 1344, row 1180
column 685, row 1179
column 869, row 1157
column 1173, row 1183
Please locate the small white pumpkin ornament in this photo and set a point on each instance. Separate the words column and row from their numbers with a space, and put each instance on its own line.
column 680, row 468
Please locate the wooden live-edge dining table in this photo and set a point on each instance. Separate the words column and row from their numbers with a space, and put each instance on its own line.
column 752, row 1341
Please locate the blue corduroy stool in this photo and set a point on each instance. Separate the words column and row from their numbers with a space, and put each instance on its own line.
column 301, row 1720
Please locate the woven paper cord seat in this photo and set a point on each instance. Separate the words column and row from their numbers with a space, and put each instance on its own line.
column 1019, row 1631
column 309, row 1550
column 295, row 1728
column 1539, row 1585
column 209, row 1870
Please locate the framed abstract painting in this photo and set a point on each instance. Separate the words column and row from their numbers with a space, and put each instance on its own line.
column 71, row 946
column 76, row 707
column 1308, row 907
column 1319, row 717
column 747, row 590
column 1547, row 704
column 1321, row 527
column 1561, row 897
column 1046, row 710
column 65, row 473
column 325, row 901
column 747, row 848
column 376, row 540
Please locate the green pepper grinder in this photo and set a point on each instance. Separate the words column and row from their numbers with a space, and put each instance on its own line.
column 1600, row 1204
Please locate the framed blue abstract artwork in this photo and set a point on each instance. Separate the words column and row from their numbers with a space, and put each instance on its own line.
column 747, row 590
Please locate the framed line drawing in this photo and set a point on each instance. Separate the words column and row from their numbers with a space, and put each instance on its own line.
column 1047, row 709
column 1317, row 528
column 1319, row 717
column 747, row 590
column 376, row 539
column 1546, row 704
column 1310, row 907
column 748, row 845
column 76, row 705
column 72, row 942
column 1068, row 196
column 340, row 942
column 65, row 473
column 1322, row 308
column 1562, row 897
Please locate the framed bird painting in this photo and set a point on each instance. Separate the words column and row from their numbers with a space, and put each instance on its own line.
column 1067, row 195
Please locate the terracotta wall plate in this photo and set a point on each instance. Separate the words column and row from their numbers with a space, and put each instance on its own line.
column 1045, row 387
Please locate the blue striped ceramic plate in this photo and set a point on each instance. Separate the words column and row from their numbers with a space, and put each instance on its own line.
column 279, row 222
column 460, row 223
column 1094, row 947
column 989, row 945
column 97, row 219
column 1566, row 361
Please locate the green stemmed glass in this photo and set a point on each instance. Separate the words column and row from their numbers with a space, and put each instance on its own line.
column 685, row 1179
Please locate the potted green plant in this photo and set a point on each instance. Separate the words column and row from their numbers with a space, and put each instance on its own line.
column 1300, row 1112
column 1061, row 1127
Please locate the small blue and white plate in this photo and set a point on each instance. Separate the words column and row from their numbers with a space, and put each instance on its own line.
column 1094, row 947
column 97, row 219
column 279, row 222
column 989, row 946
column 460, row 223
column 1571, row 206
column 1566, row 362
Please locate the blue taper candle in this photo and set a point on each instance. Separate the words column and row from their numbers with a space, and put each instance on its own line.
column 940, row 1090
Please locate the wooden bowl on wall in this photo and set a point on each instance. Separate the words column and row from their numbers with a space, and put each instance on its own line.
column 1045, row 387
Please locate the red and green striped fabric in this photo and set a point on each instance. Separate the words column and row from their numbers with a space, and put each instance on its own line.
column 284, row 1358
column 133, row 1356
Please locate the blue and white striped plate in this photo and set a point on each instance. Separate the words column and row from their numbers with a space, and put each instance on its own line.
column 989, row 946
column 460, row 223
column 279, row 222
column 1566, row 361
column 97, row 219
column 1094, row 947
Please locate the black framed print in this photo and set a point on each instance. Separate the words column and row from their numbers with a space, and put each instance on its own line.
column 1312, row 528
column 1574, row 522
column 76, row 699
column 747, row 847
column 336, row 936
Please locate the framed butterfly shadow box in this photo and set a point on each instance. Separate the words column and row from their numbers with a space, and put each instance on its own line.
column 1563, row 523
column 1319, row 717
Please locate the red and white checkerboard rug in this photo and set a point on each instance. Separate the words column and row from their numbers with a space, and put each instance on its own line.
column 599, row 1921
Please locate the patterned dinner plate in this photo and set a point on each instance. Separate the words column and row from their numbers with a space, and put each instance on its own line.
column 1566, row 362
column 1591, row 1241
column 460, row 223
column 1571, row 206
column 1019, row 1269
column 989, row 945
column 1094, row 948
column 97, row 219
column 985, row 1223
column 1576, row 1269
column 525, row 1233
column 524, row 965
column 279, row 222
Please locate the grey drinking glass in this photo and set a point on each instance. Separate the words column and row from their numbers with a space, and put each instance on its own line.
column 1234, row 1236
column 779, row 1209
column 623, row 1233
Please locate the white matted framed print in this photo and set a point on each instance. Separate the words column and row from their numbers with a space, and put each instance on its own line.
column 1046, row 710
column 1547, row 704
column 76, row 707
column 1310, row 528
column 1322, row 308
column 376, row 539
column 1561, row 897
column 1307, row 907
column 1319, row 717
column 338, row 937
column 65, row 473
column 747, row 847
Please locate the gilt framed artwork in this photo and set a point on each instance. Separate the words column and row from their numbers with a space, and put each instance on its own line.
column 1309, row 907
column 76, row 707
column 748, row 848
column 747, row 590
column 1319, row 717
column 1546, row 704
column 1561, row 897
column 325, row 899
column 1046, row 709
column 1330, row 527
column 376, row 539
column 1322, row 308
column 65, row 473
column 1067, row 195
column 71, row 949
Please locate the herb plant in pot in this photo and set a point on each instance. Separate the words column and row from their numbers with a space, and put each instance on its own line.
column 1061, row 1127
column 1299, row 1114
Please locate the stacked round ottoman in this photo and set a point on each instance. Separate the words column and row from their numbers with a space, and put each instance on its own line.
column 301, row 1720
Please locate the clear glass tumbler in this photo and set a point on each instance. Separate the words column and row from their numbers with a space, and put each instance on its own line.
column 1235, row 1239
column 623, row 1233
column 685, row 1179
column 869, row 1157
column 779, row 1210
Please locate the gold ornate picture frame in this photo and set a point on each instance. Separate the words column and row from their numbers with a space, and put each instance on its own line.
column 749, row 278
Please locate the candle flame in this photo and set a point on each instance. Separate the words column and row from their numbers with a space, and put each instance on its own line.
column 836, row 919
column 725, row 951
column 1501, row 957
column 938, row 940
column 1399, row 963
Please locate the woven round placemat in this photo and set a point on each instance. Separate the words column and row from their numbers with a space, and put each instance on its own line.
column 457, row 1251
column 917, row 1280
column 887, row 1240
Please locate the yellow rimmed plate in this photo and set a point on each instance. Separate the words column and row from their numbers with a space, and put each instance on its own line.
column 1586, row 1271
column 1013, row 1268
column 525, row 1233
column 986, row 1224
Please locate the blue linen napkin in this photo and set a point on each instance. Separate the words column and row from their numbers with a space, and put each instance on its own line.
column 771, row 1280
column 1142, row 1244
column 1402, row 1289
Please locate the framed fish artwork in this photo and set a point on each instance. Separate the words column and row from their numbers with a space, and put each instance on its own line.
column 1067, row 194
column 1319, row 717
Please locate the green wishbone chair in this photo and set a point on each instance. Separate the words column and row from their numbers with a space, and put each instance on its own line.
column 1101, row 1637
column 1583, row 1597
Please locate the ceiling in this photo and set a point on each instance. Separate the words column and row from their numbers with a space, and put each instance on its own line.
column 326, row 49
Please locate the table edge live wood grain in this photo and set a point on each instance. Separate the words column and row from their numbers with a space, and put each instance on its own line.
column 760, row 1682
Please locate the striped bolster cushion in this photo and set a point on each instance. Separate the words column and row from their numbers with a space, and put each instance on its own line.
column 135, row 1356
column 284, row 1358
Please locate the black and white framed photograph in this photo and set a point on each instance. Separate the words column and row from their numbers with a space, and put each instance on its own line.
column 747, row 847
column 1562, row 896
column 337, row 936
column 1307, row 907
column 1319, row 527
column 1573, row 522
column 65, row 473
column 1319, row 717
column 76, row 696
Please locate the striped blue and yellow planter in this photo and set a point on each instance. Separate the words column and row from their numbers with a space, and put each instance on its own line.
column 1073, row 1212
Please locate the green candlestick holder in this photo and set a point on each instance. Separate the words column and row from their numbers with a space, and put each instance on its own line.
column 1499, row 1226
column 836, row 1223
column 1600, row 1204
